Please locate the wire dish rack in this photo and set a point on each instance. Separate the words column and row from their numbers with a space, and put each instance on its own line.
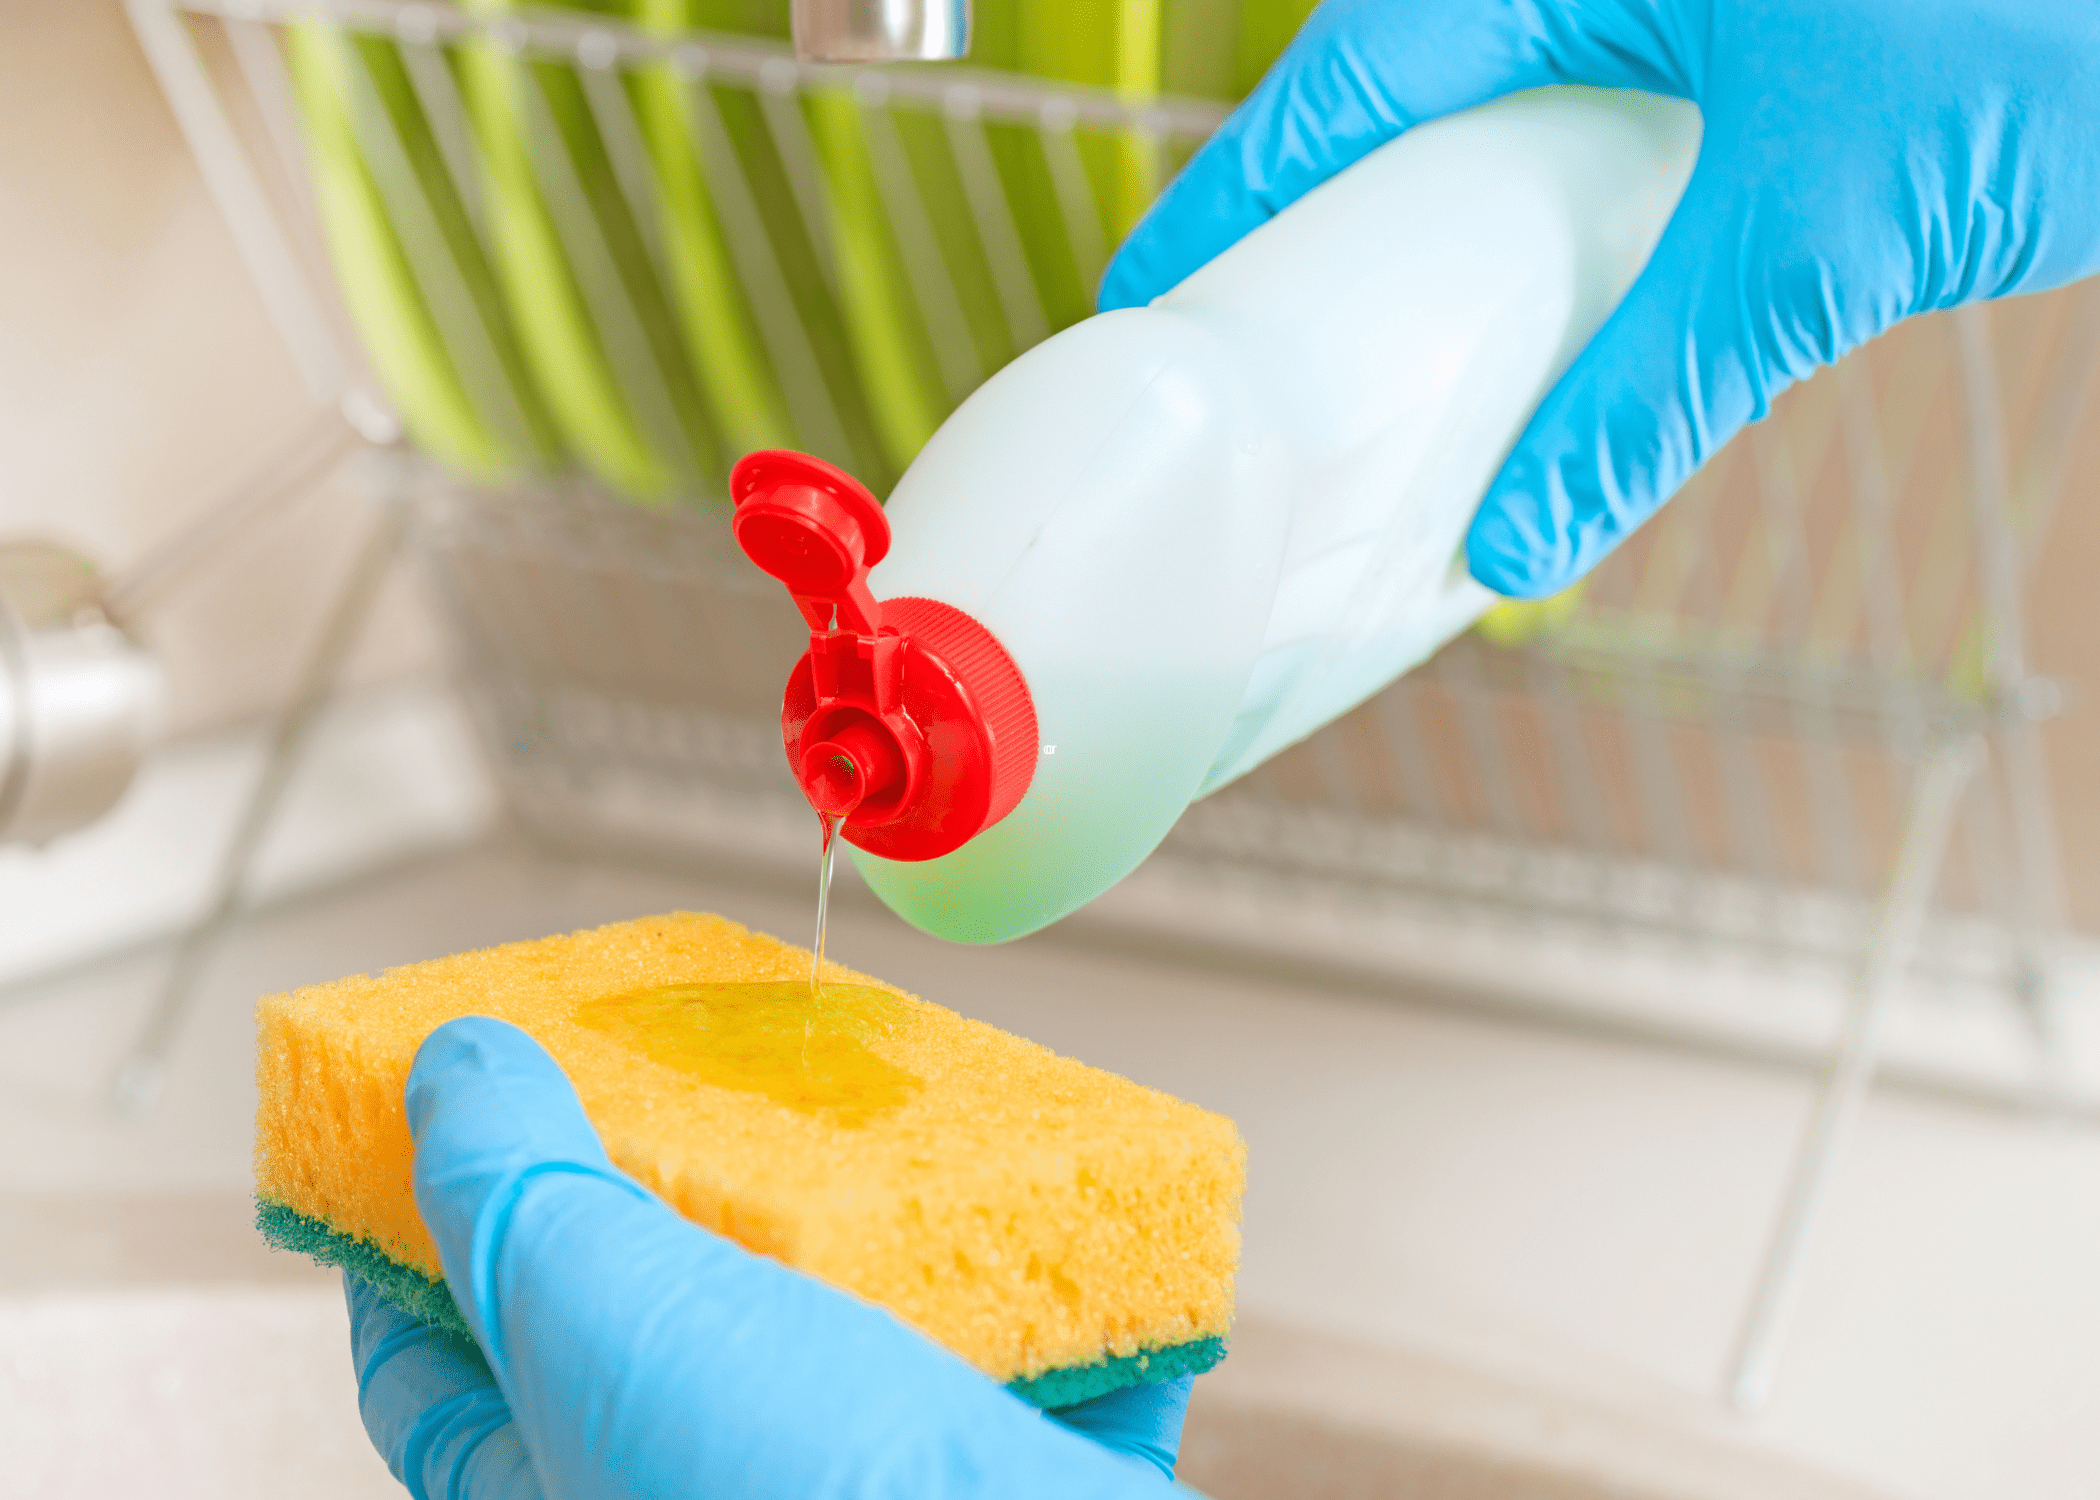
column 568, row 242
column 1785, row 742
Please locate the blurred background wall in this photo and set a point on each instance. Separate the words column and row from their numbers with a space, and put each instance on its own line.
column 140, row 376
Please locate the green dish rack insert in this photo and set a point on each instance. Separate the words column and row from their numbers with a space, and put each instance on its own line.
column 523, row 317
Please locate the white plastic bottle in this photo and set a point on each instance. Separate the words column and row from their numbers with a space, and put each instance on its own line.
column 1205, row 528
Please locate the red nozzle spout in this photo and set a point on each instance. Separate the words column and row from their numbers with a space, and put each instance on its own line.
column 906, row 720
column 859, row 762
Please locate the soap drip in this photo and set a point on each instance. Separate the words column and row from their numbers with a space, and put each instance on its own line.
column 816, row 964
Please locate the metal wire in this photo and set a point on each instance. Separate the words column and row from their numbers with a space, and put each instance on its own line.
column 138, row 1083
column 622, row 328
column 468, row 339
column 292, row 302
column 932, row 285
column 1019, row 298
column 1889, row 946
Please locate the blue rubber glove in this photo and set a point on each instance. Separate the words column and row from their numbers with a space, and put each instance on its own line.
column 627, row 1352
column 1863, row 161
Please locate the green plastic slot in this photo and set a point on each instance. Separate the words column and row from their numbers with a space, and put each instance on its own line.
column 338, row 79
column 597, row 326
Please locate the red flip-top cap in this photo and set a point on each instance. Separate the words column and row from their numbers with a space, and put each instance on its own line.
column 816, row 529
column 905, row 719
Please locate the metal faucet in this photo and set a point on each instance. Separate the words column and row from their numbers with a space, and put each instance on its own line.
column 80, row 701
column 862, row 31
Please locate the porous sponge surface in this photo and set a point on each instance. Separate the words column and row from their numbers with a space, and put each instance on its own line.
column 1035, row 1215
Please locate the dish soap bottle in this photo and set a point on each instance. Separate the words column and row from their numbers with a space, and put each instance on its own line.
column 1173, row 540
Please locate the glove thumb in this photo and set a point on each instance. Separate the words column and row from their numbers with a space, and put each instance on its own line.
column 1672, row 375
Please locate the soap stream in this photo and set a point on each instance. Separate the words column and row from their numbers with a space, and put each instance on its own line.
column 830, row 825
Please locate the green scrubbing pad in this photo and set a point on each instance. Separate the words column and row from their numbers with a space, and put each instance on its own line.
column 431, row 1301
column 405, row 1287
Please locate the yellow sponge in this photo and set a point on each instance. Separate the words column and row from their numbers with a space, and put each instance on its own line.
column 1061, row 1228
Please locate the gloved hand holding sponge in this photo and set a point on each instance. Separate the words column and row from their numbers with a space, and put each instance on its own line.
column 632, row 1212
column 624, row 1352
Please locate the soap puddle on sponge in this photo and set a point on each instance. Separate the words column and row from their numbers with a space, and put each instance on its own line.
column 810, row 1054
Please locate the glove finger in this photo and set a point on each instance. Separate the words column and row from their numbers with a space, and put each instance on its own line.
column 1143, row 1421
column 431, row 1406
column 490, row 1112
column 1358, row 74
column 1692, row 355
column 642, row 1355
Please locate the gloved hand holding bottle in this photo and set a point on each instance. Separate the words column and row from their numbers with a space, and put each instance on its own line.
column 624, row 1352
column 1862, row 162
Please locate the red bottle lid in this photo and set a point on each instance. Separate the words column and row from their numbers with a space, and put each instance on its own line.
column 906, row 719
